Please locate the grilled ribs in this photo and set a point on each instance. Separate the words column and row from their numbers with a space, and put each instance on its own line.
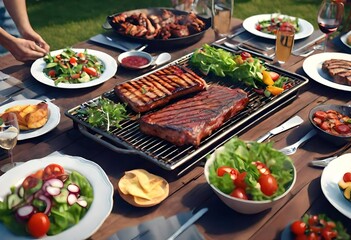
column 339, row 69
column 188, row 121
column 158, row 88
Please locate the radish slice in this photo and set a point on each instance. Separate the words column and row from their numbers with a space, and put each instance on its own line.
column 53, row 191
column 81, row 202
column 73, row 188
column 63, row 177
column 25, row 212
column 71, row 199
column 54, row 182
column 47, row 202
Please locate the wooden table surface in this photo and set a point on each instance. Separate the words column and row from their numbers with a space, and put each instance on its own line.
column 190, row 190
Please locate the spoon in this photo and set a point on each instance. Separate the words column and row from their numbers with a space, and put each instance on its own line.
column 161, row 59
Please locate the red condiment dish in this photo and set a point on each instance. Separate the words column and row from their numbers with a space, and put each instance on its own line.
column 135, row 59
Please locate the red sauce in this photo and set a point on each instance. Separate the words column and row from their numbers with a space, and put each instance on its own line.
column 134, row 61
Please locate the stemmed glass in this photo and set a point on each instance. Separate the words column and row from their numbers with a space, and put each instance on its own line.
column 329, row 18
column 8, row 136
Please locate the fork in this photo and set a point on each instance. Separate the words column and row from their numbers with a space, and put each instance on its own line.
column 291, row 149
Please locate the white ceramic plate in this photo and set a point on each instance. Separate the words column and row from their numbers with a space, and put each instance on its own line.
column 313, row 68
column 306, row 28
column 343, row 39
column 103, row 193
column 331, row 175
column 108, row 61
column 53, row 119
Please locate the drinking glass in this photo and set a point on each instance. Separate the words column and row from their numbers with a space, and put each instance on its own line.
column 284, row 43
column 8, row 137
column 222, row 11
column 329, row 18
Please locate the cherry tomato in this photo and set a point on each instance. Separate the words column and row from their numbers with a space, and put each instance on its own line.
column 258, row 27
column 328, row 234
column 298, row 227
column 73, row 61
column 91, row 71
column 224, row 169
column 52, row 73
column 268, row 184
column 261, row 167
column 52, row 171
column 313, row 220
column 245, row 55
column 321, row 114
column 38, row 225
column 275, row 76
column 239, row 193
column 312, row 236
column 347, row 177
column 239, row 182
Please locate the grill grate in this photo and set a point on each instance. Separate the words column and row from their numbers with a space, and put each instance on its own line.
column 129, row 139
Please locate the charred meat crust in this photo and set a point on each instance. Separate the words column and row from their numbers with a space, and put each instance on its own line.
column 339, row 69
column 188, row 121
column 158, row 88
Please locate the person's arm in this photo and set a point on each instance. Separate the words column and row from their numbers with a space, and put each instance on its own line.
column 32, row 46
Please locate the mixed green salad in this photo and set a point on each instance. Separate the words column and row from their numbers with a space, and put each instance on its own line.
column 73, row 67
column 251, row 170
column 238, row 68
column 47, row 202
column 271, row 25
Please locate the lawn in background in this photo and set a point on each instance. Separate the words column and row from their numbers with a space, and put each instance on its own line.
column 63, row 23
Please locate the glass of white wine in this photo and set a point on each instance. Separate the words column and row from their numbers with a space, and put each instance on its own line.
column 9, row 131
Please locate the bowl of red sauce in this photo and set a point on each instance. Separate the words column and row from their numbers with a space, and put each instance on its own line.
column 332, row 122
column 135, row 59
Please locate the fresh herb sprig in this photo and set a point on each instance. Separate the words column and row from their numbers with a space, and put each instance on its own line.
column 105, row 113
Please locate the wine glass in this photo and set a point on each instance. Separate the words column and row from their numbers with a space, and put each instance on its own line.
column 329, row 18
column 8, row 136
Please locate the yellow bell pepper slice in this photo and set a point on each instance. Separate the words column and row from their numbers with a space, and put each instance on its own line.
column 274, row 90
column 267, row 79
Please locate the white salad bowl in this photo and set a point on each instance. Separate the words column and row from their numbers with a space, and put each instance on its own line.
column 241, row 205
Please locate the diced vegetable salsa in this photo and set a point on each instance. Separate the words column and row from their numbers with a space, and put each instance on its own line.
column 73, row 67
column 271, row 25
column 47, row 202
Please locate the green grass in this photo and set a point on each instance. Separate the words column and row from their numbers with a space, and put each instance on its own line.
column 63, row 23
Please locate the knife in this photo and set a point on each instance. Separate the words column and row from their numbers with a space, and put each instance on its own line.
column 292, row 122
column 188, row 223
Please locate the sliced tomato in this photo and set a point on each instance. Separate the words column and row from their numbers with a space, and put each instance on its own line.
column 347, row 177
column 268, row 184
column 38, row 174
column 91, row 71
column 239, row 193
column 321, row 115
column 342, row 128
column 75, row 76
column 261, row 167
column 52, row 73
column 275, row 76
column 52, row 171
column 229, row 170
column 73, row 61
column 239, row 182
column 30, row 182
column 245, row 55
column 81, row 56
column 38, row 225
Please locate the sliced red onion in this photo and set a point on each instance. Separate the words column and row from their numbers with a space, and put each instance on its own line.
column 47, row 202
column 71, row 199
column 73, row 188
column 53, row 191
column 82, row 202
column 25, row 212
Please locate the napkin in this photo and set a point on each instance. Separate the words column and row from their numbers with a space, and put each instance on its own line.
column 159, row 228
column 111, row 39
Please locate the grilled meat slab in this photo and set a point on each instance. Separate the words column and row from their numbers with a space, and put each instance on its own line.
column 158, row 88
column 188, row 121
column 339, row 69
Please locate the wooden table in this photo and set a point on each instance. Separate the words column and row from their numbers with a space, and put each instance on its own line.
column 189, row 190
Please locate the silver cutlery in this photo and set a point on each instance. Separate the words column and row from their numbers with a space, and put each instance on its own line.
column 188, row 223
column 292, row 122
column 291, row 149
column 305, row 52
column 323, row 162
column 239, row 46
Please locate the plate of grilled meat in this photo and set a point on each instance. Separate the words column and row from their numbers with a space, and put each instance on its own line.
column 160, row 26
column 331, row 69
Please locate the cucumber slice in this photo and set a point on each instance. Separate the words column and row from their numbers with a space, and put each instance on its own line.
column 13, row 200
column 62, row 197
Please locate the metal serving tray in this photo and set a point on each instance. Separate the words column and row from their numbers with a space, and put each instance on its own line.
column 130, row 140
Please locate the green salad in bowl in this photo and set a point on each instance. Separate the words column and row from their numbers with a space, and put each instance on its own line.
column 249, row 177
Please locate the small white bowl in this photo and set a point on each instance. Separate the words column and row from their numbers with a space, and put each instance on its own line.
column 242, row 205
column 148, row 59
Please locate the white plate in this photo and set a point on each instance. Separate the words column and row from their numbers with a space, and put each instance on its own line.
column 306, row 28
column 53, row 119
column 103, row 193
column 331, row 175
column 343, row 39
column 313, row 68
column 108, row 61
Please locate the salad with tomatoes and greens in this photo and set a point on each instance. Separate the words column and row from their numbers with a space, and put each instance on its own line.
column 251, row 170
column 73, row 67
column 271, row 25
column 239, row 68
column 47, row 202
